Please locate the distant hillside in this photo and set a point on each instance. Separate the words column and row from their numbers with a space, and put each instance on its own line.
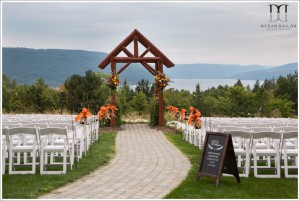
column 56, row 65
column 283, row 70
column 209, row 71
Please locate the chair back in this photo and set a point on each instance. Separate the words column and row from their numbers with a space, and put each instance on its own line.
column 239, row 133
column 266, row 134
column 22, row 134
column 63, row 125
column 22, row 130
column 285, row 129
column 290, row 134
column 259, row 129
column 53, row 131
column 236, row 127
column 40, row 125
column 11, row 125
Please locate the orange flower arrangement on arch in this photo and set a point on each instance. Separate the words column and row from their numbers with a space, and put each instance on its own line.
column 113, row 81
column 161, row 81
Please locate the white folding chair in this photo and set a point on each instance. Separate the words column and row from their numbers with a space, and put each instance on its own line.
column 242, row 149
column 22, row 148
column 74, row 140
column 4, row 149
column 48, row 145
column 290, row 152
column 267, row 155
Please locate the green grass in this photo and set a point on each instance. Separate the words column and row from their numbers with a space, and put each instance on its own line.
column 32, row 186
column 249, row 188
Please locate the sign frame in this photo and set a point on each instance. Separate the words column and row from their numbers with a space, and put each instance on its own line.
column 218, row 158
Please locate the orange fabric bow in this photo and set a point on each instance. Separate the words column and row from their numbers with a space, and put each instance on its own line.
column 83, row 114
column 102, row 112
column 173, row 110
column 107, row 111
column 183, row 111
column 195, row 117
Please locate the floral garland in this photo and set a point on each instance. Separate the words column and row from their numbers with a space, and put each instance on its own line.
column 113, row 81
column 161, row 81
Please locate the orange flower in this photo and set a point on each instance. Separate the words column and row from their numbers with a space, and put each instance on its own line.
column 161, row 80
column 85, row 113
column 113, row 81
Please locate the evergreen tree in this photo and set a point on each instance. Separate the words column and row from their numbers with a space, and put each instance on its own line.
column 256, row 87
column 197, row 101
column 238, row 84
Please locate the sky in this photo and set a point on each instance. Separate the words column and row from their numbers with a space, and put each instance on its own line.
column 194, row 32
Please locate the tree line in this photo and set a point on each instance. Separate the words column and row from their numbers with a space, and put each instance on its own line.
column 271, row 98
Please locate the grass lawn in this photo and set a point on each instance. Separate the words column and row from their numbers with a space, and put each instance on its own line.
column 32, row 186
column 249, row 188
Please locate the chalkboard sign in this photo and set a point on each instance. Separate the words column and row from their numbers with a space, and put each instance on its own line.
column 218, row 157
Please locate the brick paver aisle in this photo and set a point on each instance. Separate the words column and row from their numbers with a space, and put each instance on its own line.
column 146, row 166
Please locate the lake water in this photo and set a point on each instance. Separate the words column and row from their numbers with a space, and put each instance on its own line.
column 190, row 84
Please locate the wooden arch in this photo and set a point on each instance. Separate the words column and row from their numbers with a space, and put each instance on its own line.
column 158, row 58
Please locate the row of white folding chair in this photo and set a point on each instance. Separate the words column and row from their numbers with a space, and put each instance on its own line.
column 75, row 135
column 71, row 127
column 45, row 124
column 215, row 124
column 194, row 135
column 34, row 145
column 247, row 145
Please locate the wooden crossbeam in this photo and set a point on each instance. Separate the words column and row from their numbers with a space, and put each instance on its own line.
column 145, row 52
column 135, row 60
column 149, row 68
column 136, row 46
column 127, row 52
column 124, row 67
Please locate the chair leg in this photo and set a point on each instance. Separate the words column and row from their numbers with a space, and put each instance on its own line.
column 247, row 165
column 42, row 162
column 33, row 161
column 65, row 162
column 10, row 166
column 255, row 164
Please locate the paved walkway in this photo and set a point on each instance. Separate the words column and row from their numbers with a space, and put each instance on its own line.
column 146, row 166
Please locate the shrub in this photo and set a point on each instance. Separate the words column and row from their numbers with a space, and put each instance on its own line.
column 154, row 112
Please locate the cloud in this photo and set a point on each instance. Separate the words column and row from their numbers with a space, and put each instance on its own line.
column 201, row 32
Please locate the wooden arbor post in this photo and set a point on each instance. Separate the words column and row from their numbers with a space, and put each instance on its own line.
column 157, row 57
column 113, row 122
column 159, row 93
